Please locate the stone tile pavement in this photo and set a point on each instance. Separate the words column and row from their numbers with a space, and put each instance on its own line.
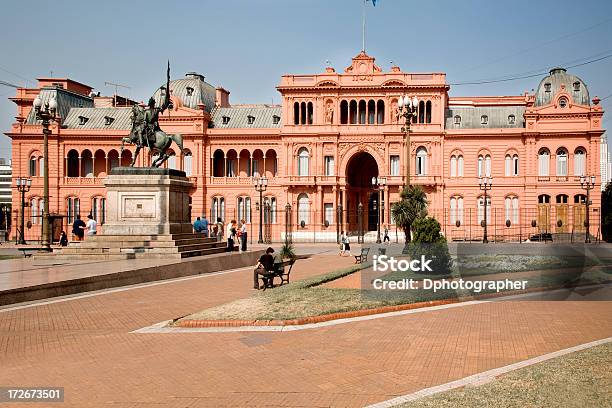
column 85, row 345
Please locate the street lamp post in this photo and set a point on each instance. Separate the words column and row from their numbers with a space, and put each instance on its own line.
column 23, row 186
column 407, row 109
column 45, row 114
column 485, row 184
column 261, row 184
column 587, row 183
column 379, row 184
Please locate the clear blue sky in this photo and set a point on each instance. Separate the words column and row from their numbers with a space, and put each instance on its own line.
column 245, row 46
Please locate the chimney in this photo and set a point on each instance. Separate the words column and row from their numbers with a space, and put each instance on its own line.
column 222, row 98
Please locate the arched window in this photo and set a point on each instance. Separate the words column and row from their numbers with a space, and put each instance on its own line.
column 484, row 120
column 515, row 165
column 187, row 162
column 371, row 112
column 94, row 208
column 218, row 163
column 453, row 166
column 428, row 112
column 244, row 209
column 421, row 161
column 543, row 162
column 481, row 209
column 579, row 162
column 41, row 166
column 580, row 199
column 310, row 113
column 457, row 120
column 511, row 119
column 217, row 209
column 484, row 166
column 511, row 209
column 343, row 112
column 271, row 202
column 33, row 167
column 86, row 164
column 172, row 161
column 561, row 162
column 422, row 112
column 113, row 159
column 303, row 162
column 303, row 209
column 362, row 112
column 380, row 112
column 303, row 113
column 102, row 219
column 460, row 166
column 34, row 210
column 456, row 209
column 353, row 112
column 511, row 165
column 508, row 165
column 296, row 113
column 543, row 199
column 73, row 208
column 562, row 199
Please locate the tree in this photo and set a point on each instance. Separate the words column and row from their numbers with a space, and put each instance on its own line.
column 412, row 206
column 429, row 242
column 606, row 213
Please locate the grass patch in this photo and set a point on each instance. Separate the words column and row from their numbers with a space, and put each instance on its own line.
column 580, row 379
column 307, row 297
column 4, row 257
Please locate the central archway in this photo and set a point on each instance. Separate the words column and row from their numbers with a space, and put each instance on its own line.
column 360, row 169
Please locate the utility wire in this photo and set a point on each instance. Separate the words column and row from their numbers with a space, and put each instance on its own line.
column 515, row 78
column 563, row 37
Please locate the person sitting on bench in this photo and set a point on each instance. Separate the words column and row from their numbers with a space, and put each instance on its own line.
column 265, row 266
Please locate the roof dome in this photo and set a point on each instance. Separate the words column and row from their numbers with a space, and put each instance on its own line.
column 191, row 90
column 551, row 85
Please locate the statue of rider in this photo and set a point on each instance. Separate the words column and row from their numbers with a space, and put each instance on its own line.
column 151, row 119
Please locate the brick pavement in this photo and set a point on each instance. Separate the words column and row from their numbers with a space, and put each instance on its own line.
column 86, row 346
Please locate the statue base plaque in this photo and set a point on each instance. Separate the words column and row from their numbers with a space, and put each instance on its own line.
column 147, row 201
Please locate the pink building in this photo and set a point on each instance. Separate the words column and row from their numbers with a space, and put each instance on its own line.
column 320, row 148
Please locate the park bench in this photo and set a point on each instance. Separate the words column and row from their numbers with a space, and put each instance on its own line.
column 278, row 271
column 363, row 256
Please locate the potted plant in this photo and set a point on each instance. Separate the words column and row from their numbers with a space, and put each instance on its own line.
column 287, row 251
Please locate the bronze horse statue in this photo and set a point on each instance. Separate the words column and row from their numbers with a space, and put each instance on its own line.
column 146, row 131
column 153, row 138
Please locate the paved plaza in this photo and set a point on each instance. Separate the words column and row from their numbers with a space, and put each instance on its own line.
column 86, row 344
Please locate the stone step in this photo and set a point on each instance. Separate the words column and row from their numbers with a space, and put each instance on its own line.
column 148, row 244
column 165, row 237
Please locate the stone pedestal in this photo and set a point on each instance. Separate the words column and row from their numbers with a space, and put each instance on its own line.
column 147, row 201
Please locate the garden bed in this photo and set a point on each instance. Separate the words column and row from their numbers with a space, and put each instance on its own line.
column 311, row 301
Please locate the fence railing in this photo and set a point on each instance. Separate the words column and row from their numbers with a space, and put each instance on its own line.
column 564, row 223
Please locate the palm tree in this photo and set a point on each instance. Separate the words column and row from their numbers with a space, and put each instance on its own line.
column 413, row 205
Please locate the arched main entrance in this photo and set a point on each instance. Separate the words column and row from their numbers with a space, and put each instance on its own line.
column 359, row 172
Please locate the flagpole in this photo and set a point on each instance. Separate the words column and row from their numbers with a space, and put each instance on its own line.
column 363, row 27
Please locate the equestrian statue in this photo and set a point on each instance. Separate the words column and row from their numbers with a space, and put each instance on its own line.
column 146, row 131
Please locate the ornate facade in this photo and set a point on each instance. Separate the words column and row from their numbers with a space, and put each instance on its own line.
column 321, row 147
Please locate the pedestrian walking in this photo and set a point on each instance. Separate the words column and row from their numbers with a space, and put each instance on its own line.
column 197, row 226
column 205, row 226
column 386, row 235
column 91, row 226
column 243, row 235
column 231, row 235
column 78, row 228
column 63, row 241
column 220, row 229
